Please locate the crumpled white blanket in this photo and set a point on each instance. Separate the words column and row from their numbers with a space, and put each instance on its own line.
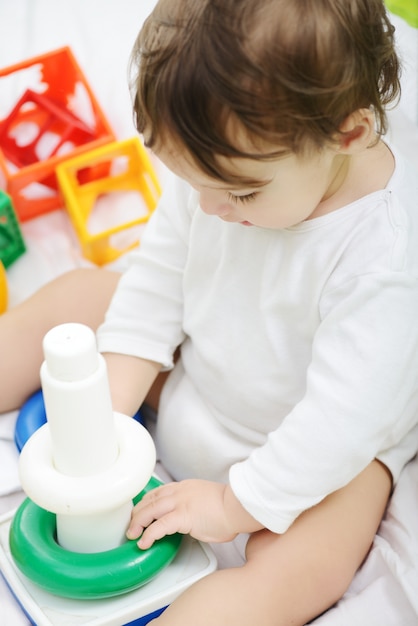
column 385, row 590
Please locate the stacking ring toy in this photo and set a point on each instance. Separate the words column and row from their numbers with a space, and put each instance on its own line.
column 78, row 575
column 70, row 574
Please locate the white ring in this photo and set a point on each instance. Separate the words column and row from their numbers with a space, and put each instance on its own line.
column 85, row 495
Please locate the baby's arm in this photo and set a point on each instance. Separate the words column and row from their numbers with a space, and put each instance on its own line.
column 206, row 510
column 130, row 379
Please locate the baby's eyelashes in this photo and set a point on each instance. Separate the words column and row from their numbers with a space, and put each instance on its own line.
column 245, row 198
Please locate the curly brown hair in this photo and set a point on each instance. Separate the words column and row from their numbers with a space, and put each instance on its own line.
column 288, row 73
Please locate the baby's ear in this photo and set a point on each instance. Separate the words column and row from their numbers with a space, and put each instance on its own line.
column 357, row 131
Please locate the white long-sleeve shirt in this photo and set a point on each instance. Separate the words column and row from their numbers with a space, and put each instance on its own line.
column 299, row 358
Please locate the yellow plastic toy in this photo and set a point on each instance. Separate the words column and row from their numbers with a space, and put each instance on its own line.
column 114, row 185
column 3, row 289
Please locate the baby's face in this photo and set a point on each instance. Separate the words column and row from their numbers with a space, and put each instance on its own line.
column 289, row 189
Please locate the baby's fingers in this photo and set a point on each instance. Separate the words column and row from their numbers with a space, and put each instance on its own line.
column 166, row 525
column 153, row 506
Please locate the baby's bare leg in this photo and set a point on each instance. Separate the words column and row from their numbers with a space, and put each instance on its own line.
column 289, row 579
column 78, row 296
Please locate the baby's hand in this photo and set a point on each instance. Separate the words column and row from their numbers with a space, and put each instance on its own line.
column 197, row 507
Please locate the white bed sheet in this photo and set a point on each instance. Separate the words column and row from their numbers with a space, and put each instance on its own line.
column 101, row 34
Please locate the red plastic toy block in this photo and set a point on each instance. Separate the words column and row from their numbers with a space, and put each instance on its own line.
column 45, row 117
column 55, row 116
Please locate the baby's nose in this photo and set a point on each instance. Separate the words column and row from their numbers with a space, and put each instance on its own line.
column 211, row 204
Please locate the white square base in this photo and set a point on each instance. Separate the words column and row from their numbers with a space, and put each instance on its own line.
column 193, row 561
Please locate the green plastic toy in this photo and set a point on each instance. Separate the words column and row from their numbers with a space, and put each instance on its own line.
column 12, row 245
column 83, row 576
column 407, row 9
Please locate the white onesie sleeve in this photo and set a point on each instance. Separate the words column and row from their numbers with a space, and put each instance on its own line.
column 145, row 316
column 360, row 399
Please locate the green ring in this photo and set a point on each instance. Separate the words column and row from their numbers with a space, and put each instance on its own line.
column 83, row 576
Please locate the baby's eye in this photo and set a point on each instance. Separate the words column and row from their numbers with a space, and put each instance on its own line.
column 247, row 198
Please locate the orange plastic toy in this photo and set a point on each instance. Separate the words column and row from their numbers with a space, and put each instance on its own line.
column 56, row 116
column 3, row 288
column 122, row 197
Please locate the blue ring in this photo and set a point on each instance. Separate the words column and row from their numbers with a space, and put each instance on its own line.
column 32, row 416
